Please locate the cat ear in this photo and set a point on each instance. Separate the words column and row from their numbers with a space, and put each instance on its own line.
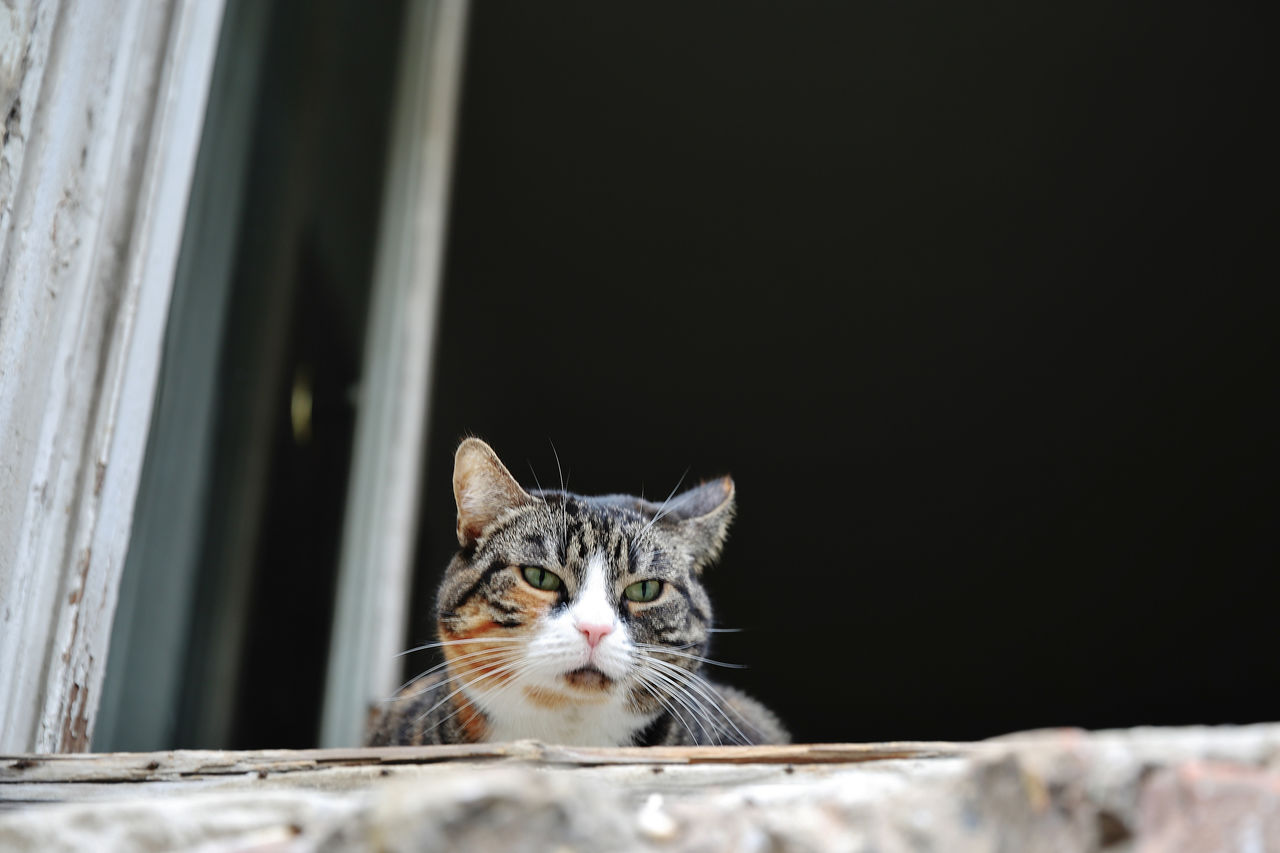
column 704, row 513
column 483, row 488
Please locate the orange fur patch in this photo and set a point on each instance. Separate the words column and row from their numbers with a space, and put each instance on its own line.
column 543, row 698
column 475, row 726
column 479, row 660
column 554, row 700
column 528, row 599
column 475, row 618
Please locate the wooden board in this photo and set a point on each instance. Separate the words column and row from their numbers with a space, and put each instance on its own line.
column 197, row 764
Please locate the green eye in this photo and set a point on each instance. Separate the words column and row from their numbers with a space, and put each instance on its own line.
column 540, row 578
column 643, row 591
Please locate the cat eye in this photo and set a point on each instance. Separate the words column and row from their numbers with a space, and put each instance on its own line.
column 540, row 578
column 643, row 591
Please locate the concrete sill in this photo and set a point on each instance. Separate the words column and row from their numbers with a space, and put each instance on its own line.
column 1139, row 789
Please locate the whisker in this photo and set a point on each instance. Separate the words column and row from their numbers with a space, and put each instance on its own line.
column 704, row 688
column 564, row 503
column 491, row 692
column 529, row 462
column 501, row 657
column 668, row 706
column 443, row 643
column 673, row 650
column 705, row 707
column 492, row 673
column 660, row 513
column 470, row 655
column 686, row 700
column 680, row 692
column 515, row 671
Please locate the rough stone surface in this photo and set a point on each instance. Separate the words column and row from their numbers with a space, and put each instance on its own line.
column 1205, row 805
column 1135, row 791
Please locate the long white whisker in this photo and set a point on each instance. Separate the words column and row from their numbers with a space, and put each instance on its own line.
column 442, row 643
column 520, row 667
column 564, row 503
column 670, row 708
column 675, row 702
column 534, row 473
column 490, row 692
column 674, row 650
column 688, row 698
column 660, row 513
column 459, row 659
column 680, row 694
column 463, row 687
column 431, row 688
column 704, row 688
column 502, row 660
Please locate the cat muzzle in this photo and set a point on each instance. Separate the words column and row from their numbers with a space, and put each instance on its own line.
column 588, row 678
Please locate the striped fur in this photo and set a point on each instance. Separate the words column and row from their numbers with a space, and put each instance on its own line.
column 580, row 664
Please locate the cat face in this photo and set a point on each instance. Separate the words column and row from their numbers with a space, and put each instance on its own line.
column 573, row 618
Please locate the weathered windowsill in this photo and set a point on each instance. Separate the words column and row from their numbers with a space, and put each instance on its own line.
column 1140, row 789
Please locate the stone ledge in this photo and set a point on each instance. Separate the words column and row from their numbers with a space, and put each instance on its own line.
column 1141, row 790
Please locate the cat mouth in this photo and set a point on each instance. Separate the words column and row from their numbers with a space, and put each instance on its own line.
column 588, row 678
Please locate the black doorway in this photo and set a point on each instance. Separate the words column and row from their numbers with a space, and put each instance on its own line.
column 975, row 305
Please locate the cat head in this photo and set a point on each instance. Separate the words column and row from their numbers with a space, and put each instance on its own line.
column 573, row 607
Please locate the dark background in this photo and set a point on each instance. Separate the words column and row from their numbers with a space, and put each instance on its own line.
column 976, row 303
column 972, row 300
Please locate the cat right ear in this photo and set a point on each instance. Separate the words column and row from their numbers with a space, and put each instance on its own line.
column 704, row 513
column 483, row 488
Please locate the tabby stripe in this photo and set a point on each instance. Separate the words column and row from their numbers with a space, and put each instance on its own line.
column 498, row 565
column 693, row 605
column 503, row 607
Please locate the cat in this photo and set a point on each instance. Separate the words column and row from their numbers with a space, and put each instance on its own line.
column 575, row 620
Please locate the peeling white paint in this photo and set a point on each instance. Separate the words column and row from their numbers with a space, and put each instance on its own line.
column 94, row 178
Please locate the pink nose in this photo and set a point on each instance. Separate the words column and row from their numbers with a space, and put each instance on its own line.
column 594, row 633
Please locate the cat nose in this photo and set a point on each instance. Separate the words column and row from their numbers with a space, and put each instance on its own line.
column 594, row 632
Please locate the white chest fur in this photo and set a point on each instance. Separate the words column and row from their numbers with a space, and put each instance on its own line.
column 607, row 723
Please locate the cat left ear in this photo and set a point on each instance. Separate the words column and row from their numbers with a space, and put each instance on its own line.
column 483, row 488
column 704, row 514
